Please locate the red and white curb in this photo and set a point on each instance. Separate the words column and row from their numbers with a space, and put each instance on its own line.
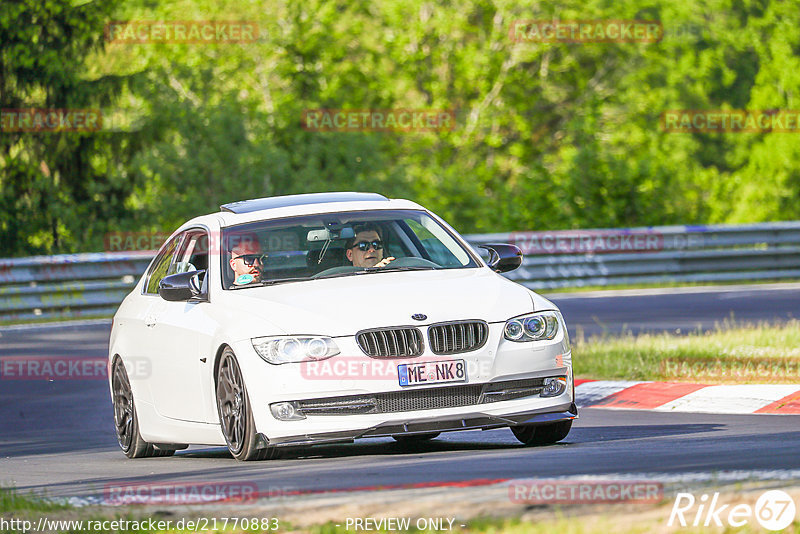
column 685, row 397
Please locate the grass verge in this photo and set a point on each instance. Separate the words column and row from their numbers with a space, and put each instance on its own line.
column 12, row 501
column 665, row 284
column 730, row 353
column 571, row 525
column 583, row 519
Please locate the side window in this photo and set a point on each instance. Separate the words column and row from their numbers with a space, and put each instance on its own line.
column 193, row 254
column 161, row 266
column 199, row 257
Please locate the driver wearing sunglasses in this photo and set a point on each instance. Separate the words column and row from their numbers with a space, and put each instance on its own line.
column 246, row 261
column 366, row 248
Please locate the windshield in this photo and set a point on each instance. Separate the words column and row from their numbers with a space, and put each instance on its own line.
column 337, row 244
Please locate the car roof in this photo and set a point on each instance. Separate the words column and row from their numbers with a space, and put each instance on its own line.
column 258, row 204
column 246, row 211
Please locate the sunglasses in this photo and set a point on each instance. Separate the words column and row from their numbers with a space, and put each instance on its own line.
column 250, row 259
column 364, row 246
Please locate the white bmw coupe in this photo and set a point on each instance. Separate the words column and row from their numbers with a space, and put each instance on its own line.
column 321, row 318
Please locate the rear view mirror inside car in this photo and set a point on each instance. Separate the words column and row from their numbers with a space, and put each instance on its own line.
column 318, row 235
column 326, row 234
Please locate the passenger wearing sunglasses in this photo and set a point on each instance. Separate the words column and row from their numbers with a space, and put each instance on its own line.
column 246, row 261
column 366, row 248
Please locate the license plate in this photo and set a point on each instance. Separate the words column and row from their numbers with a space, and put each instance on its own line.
column 414, row 374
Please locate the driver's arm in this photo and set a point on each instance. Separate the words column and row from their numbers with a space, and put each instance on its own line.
column 384, row 262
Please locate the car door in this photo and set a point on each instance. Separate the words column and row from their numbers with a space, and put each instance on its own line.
column 178, row 340
column 138, row 321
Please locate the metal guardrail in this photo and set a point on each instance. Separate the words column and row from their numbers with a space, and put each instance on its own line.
column 713, row 253
column 93, row 284
column 69, row 285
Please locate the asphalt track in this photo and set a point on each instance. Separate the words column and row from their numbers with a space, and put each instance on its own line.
column 57, row 437
column 679, row 310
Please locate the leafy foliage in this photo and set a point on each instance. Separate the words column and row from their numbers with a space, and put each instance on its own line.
column 548, row 135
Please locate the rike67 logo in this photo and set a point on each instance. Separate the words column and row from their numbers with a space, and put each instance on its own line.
column 774, row 510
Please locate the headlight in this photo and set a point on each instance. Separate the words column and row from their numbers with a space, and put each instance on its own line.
column 292, row 349
column 533, row 327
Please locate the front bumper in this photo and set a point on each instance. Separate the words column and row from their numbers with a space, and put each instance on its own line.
column 471, row 421
column 353, row 374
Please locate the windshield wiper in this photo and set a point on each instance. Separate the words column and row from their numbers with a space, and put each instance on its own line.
column 335, row 275
column 396, row 269
column 274, row 281
column 367, row 270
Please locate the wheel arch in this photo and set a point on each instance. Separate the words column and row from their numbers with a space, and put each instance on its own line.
column 112, row 361
column 217, row 359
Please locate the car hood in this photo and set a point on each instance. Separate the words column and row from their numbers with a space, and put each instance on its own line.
column 343, row 306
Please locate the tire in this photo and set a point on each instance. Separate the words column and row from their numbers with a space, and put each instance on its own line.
column 235, row 413
column 542, row 434
column 125, row 419
column 412, row 439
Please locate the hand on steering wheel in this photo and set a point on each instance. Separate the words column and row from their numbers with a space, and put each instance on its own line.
column 384, row 262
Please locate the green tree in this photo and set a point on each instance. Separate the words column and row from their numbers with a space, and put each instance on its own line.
column 57, row 187
column 548, row 135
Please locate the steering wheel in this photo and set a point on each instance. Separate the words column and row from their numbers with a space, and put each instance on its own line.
column 409, row 261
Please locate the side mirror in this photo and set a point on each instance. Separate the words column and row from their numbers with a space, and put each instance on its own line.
column 503, row 257
column 181, row 286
